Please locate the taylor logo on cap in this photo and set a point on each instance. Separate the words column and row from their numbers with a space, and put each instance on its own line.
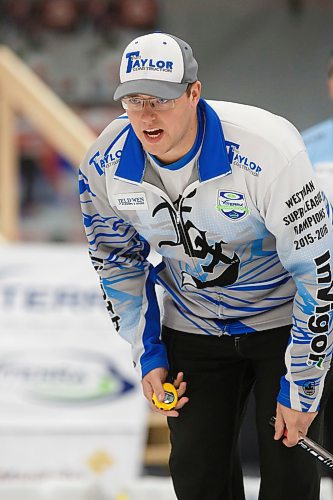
column 135, row 62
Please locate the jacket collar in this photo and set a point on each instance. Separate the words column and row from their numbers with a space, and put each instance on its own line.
column 213, row 159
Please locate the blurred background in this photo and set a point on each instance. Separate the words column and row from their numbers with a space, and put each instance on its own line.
column 67, row 388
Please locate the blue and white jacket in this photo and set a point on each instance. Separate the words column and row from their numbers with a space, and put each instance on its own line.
column 248, row 247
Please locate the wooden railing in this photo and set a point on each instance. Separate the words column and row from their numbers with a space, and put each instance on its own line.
column 22, row 92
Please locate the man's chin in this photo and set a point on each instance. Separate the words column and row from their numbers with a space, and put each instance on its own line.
column 153, row 149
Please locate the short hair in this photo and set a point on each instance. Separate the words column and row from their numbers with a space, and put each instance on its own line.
column 188, row 89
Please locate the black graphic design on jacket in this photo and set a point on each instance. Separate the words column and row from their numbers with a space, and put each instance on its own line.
column 195, row 244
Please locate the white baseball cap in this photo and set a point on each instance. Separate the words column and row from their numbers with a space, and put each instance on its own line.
column 157, row 64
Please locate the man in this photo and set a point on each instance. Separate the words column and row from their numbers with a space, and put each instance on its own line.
column 225, row 194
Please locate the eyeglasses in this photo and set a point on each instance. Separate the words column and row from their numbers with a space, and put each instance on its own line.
column 156, row 103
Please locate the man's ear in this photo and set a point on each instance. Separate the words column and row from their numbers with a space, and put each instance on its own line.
column 196, row 91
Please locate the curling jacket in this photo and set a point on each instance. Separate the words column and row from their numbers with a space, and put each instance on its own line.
column 248, row 247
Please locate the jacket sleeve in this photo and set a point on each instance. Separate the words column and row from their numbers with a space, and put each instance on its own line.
column 119, row 255
column 298, row 214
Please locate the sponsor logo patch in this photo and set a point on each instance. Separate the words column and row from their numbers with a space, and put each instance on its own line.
column 109, row 159
column 135, row 62
column 131, row 201
column 241, row 160
column 309, row 388
column 232, row 204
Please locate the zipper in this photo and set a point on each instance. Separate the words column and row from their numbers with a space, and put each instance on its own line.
column 182, row 234
column 220, row 307
column 184, row 237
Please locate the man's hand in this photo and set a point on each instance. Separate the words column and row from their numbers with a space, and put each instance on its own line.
column 293, row 423
column 152, row 382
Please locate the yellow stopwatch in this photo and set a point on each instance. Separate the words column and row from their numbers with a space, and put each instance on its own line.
column 170, row 398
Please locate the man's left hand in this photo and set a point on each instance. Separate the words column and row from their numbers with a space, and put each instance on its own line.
column 292, row 423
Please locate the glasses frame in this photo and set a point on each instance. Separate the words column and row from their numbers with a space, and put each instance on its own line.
column 153, row 103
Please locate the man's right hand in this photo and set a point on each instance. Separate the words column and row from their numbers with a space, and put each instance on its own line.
column 153, row 382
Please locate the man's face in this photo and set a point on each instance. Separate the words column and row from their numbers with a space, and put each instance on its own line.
column 170, row 134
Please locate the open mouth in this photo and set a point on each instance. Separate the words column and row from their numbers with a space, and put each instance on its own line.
column 153, row 135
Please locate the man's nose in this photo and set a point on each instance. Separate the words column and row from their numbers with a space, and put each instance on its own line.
column 148, row 113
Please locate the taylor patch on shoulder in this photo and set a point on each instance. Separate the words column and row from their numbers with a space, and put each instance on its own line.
column 109, row 159
column 131, row 201
column 232, row 204
column 240, row 160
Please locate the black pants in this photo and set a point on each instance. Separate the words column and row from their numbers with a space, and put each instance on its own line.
column 328, row 438
column 220, row 374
